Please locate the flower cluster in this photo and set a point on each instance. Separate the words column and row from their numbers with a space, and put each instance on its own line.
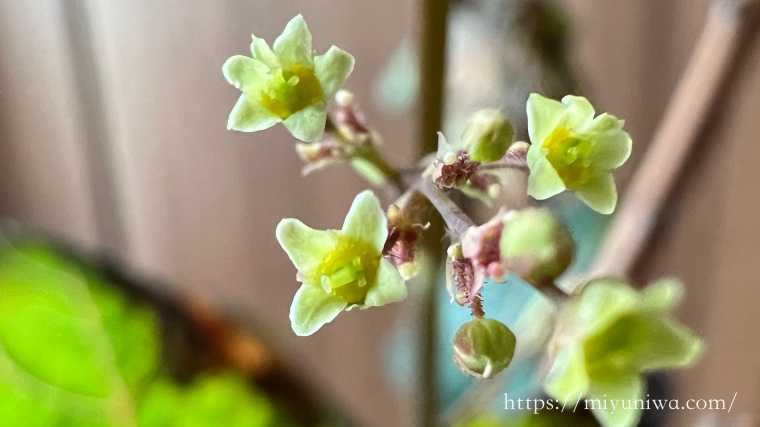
column 605, row 338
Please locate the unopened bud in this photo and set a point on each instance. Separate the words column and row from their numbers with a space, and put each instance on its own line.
column 483, row 347
column 535, row 246
column 449, row 158
column 487, row 136
column 344, row 98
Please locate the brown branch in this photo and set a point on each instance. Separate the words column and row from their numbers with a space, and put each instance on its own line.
column 730, row 24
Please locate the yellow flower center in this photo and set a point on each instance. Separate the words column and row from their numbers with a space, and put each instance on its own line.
column 349, row 271
column 569, row 155
column 292, row 90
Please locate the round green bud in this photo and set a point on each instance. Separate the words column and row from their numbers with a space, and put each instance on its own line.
column 483, row 347
column 487, row 136
column 535, row 246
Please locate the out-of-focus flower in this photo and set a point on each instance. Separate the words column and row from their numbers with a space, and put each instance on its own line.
column 487, row 136
column 535, row 246
column 608, row 335
column 483, row 347
column 571, row 149
column 340, row 269
column 286, row 84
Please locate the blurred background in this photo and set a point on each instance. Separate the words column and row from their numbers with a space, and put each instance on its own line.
column 113, row 140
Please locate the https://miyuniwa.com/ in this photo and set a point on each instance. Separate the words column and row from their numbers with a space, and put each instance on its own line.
column 574, row 403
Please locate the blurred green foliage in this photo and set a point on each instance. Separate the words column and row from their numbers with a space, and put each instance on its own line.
column 77, row 351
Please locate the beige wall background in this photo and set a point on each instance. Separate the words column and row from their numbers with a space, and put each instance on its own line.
column 112, row 136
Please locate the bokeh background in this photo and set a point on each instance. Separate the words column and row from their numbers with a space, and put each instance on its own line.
column 113, row 138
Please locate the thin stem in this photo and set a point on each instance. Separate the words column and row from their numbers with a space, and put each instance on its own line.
column 452, row 214
column 368, row 162
column 432, row 65
column 391, row 175
column 506, row 163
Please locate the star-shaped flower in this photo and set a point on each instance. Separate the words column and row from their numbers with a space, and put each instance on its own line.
column 286, row 84
column 571, row 149
column 608, row 336
column 340, row 269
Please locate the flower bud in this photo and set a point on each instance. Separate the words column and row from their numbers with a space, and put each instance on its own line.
column 535, row 246
column 487, row 136
column 518, row 151
column 483, row 347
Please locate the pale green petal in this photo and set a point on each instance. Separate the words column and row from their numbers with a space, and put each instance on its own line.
column 333, row 68
column 626, row 389
column 312, row 308
column 389, row 286
column 543, row 181
column 662, row 295
column 308, row 125
column 248, row 115
column 293, row 46
column 668, row 344
column 245, row 73
column 366, row 221
column 567, row 380
column 305, row 246
column 262, row 52
column 578, row 114
column 600, row 303
column 612, row 145
column 544, row 115
column 599, row 193
column 443, row 146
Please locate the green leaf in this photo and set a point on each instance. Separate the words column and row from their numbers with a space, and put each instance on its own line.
column 333, row 68
column 366, row 221
column 389, row 286
column 61, row 358
column 221, row 400
column 312, row 308
column 76, row 351
column 293, row 46
column 305, row 246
